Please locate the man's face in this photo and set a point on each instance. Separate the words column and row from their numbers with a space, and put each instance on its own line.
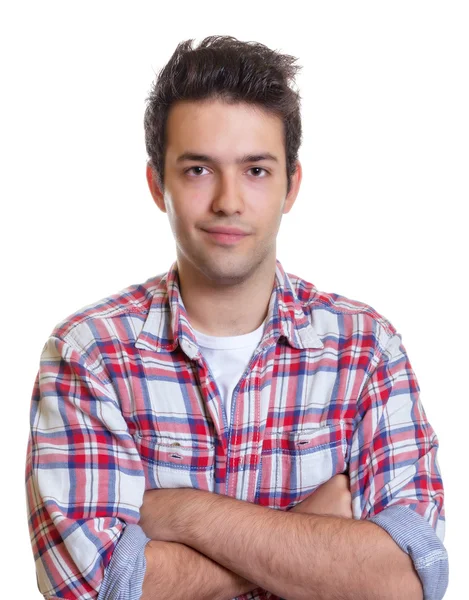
column 226, row 185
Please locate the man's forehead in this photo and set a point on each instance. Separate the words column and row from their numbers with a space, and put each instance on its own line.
column 220, row 133
column 188, row 115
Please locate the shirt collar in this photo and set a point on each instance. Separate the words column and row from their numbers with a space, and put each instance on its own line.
column 167, row 323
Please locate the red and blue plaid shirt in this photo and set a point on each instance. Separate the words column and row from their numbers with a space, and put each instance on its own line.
column 124, row 401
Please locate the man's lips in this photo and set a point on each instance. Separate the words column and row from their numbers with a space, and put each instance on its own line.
column 226, row 235
column 226, row 230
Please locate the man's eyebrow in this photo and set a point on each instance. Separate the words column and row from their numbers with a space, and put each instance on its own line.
column 192, row 156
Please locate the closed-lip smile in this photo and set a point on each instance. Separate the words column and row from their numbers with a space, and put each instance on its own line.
column 226, row 230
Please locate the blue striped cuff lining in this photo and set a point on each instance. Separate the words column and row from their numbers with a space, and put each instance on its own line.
column 123, row 578
column 416, row 537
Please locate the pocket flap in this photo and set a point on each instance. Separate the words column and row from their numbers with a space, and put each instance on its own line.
column 316, row 439
column 183, row 454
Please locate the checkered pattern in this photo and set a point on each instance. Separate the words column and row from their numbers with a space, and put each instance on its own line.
column 124, row 401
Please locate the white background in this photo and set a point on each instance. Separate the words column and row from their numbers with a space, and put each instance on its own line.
column 380, row 216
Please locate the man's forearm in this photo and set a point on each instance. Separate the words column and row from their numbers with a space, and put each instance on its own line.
column 295, row 556
column 176, row 572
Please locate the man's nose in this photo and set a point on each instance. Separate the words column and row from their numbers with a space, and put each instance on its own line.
column 228, row 195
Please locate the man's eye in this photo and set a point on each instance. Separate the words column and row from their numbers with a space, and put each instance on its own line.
column 257, row 169
column 258, row 172
column 194, row 169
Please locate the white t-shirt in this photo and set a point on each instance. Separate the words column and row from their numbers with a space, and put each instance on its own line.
column 228, row 358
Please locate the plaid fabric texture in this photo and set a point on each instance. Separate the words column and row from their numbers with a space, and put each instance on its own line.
column 124, row 401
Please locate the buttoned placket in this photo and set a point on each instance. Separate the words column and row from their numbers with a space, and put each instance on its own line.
column 229, row 465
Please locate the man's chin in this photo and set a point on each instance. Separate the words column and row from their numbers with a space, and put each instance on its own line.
column 230, row 274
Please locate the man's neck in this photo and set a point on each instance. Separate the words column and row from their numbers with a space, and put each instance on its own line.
column 226, row 310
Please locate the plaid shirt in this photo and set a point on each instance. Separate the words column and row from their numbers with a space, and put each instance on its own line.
column 124, row 401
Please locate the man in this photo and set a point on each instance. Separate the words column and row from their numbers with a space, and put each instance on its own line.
column 195, row 436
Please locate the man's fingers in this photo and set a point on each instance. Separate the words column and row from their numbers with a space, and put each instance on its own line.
column 340, row 481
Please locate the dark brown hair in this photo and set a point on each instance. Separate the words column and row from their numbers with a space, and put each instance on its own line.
column 228, row 69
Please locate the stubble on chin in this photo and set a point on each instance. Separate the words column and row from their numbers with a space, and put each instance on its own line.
column 226, row 272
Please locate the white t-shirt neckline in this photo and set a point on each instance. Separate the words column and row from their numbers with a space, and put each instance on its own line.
column 230, row 342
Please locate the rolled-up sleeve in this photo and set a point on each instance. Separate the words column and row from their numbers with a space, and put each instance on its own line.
column 84, row 481
column 123, row 578
column 394, row 473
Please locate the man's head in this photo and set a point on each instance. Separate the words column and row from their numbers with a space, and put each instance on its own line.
column 223, row 130
column 225, row 68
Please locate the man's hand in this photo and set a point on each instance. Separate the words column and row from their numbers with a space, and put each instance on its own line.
column 331, row 498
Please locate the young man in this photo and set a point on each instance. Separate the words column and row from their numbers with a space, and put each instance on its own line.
column 196, row 436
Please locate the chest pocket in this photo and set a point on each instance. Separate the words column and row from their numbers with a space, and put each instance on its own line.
column 171, row 463
column 295, row 463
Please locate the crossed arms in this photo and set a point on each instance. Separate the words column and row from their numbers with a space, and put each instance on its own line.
column 211, row 546
column 85, row 484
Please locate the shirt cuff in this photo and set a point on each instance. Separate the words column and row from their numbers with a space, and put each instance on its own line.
column 416, row 537
column 123, row 578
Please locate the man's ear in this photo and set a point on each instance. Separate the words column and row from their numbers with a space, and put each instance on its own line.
column 155, row 190
column 294, row 189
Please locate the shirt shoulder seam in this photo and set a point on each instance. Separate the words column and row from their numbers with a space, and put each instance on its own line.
column 83, row 354
column 64, row 329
